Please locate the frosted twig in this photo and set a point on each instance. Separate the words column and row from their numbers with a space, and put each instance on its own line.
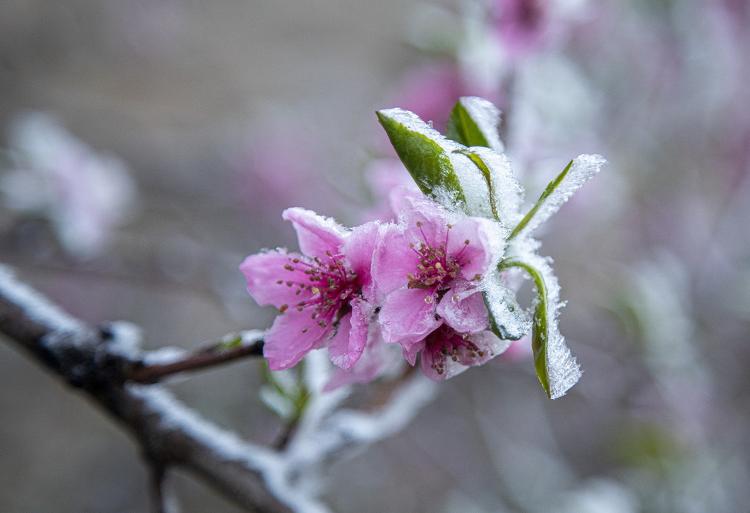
column 165, row 362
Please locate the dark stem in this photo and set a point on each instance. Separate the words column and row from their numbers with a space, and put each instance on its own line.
column 211, row 356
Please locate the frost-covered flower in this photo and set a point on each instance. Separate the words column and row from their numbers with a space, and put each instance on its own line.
column 447, row 353
column 322, row 293
column 427, row 272
column 84, row 194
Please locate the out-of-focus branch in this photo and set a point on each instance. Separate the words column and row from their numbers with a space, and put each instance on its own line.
column 162, row 500
column 160, row 364
column 108, row 366
column 168, row 432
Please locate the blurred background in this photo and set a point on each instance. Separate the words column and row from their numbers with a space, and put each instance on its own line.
column 148, row 146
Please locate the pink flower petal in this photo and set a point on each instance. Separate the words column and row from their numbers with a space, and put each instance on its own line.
column 377, row 359
column 291, row 337
column 316, row 234
column 263, row 271
column 359, row 249
column 407, row 316
column 425, row 220
column 392, row 261
column 462, row 308
column 484, row 248
column 412, row 350
column 346, row 347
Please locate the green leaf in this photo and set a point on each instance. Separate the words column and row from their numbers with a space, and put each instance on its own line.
column 425, row 153
column 556, row 368
column 474, row 122
column 540, row 324
column 576, row 173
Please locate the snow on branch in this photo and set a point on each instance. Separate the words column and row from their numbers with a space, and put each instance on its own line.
column 101, row 362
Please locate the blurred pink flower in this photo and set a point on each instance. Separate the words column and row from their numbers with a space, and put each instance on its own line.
column 388, row 180
column 322, row 293
column 271, row 173
column 84, row 194
column 432, row 91
column 521, row 25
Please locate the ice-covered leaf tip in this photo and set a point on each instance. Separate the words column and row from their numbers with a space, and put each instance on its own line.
column 475, row 122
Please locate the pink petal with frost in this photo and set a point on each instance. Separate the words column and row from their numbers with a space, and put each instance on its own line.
column 291, row 337
column 316, row 234
column 359, row 249
column 263, row 271
column 346, row 347
column 377, row 359
column 407, row 316
column 483, row 250
column 392, row 261
column 425, row 220
column 462, row 308
column 411, row 351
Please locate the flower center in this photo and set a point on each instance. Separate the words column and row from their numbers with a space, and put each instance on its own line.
column 445, row 343
column 330, row 283
column 435, row 268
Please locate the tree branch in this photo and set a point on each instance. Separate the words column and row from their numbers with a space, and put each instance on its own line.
column 167, row 431
column 160, row 364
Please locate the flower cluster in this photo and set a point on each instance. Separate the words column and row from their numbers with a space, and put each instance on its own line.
column 415, row 283
column 433, row 282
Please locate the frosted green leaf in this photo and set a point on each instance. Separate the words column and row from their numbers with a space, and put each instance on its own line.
column 575, row 174
column 556, row 368
column 426, row 154
column 475, row 121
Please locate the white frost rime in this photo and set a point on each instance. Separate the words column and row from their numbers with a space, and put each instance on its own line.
column 584, row 167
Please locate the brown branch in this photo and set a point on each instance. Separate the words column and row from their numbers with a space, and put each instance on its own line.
column 211, row 356
column 168, row 432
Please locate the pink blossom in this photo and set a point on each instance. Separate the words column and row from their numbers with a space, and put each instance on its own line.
column 431, row 91
column 322, row 293
column 522, row 25
column 427, row 272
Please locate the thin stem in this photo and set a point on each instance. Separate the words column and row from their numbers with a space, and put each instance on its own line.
column 231, row 348
column 162, row 500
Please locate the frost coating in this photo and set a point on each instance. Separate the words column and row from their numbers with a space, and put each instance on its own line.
column 510, row 319
column 172, row 414
column 487, row 117
column 125, row 339
column 36, row 306
column 475, row 188
column 559, row 190
column 562, row 368
column 506, row 191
